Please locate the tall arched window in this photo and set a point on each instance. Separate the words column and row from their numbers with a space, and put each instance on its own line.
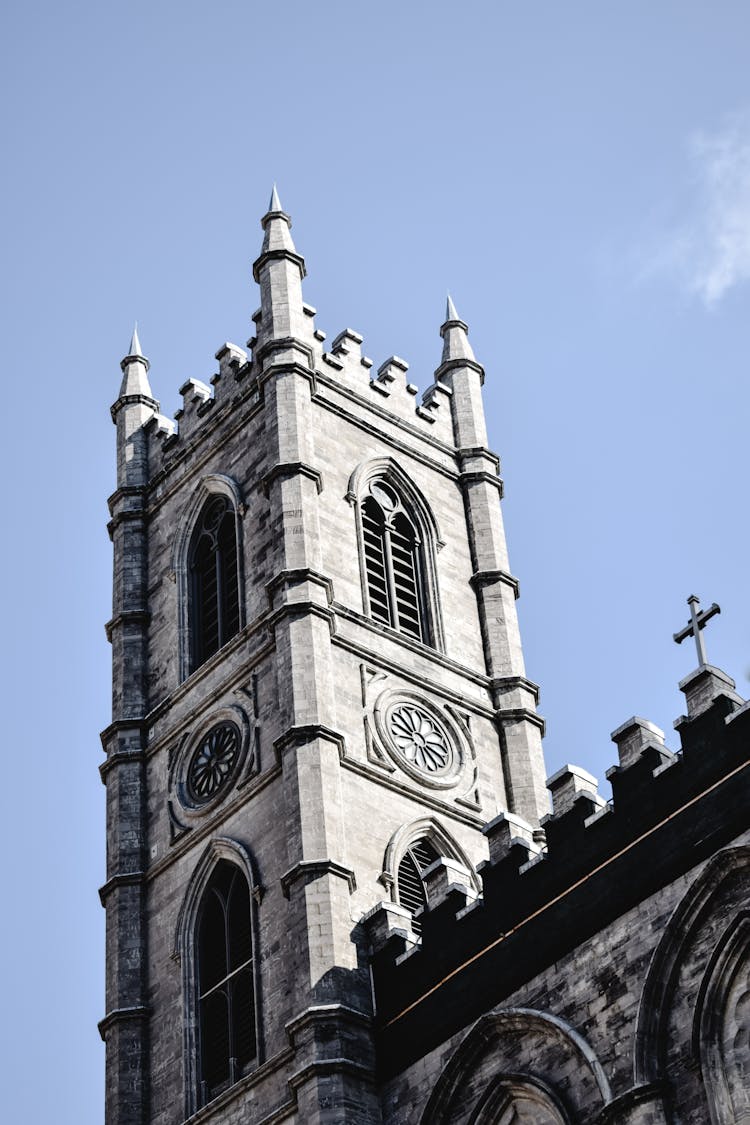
column 226, row 1000
column 411, row 890
column 393, row 563
column 214, row 609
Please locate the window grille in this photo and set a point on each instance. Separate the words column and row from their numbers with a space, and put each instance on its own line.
column 411, row 889
column 393, row 563
column 226, row 1000
column 214, row 588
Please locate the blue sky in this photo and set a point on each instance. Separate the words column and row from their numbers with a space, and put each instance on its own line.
column 578, row 175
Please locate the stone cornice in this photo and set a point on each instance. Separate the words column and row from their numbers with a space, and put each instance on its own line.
column 127, row 617
column 125, row 491
column 308, row 732
column 136, row 1014
column 520, row 715
column 278, row 255
column 285, row 344
column 296, row 577
column 460, row 363
column 290, row 469
column 132, row 400
column 482, row 578
column 126, row 879
column 302, row 609
column 472, row 477
column 327, row 1013
column 309, row 869
column 121, row 758
column 127, row 515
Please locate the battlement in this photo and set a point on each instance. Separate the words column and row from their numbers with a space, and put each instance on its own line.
column 343, row 366
column 668, row 812
column 448, row 412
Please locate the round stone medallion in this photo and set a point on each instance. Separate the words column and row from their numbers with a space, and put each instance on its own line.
column 419, row 738
column 213, row 762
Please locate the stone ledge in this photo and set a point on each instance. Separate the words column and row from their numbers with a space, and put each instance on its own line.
column 311, row 869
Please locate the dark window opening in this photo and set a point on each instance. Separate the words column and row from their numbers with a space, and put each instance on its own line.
column 411, row 889
column 226, row 999
column 214, row 607
column 393, row 564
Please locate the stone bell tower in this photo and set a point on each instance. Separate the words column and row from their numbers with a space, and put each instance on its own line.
column 319, row 699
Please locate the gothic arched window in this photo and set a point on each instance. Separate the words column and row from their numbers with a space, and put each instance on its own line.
column 214, row 609
column 226, row 995
column 411, row 890
column 394, row 563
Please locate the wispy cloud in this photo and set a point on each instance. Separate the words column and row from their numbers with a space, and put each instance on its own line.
column 708, row 252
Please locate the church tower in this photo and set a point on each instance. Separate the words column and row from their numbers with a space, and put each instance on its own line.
column 319, row 700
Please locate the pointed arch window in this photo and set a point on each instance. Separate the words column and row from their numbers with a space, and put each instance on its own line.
column 214, row 609
column 394, row 563
column 226, row 1000
column 411, row 889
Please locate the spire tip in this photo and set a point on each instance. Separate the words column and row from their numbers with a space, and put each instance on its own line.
column 135, row 343
column 450, row 310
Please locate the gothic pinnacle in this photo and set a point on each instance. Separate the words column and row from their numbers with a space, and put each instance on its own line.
column 135, row 368
column 455, row 333
column 277, row 238
column 450, row 310
column 275, row 204
column 135, row 343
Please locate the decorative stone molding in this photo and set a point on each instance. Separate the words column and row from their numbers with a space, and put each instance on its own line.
column 421, row 739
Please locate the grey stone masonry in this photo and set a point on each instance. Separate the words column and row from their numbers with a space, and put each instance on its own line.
column 331, row 704
column 603, row 981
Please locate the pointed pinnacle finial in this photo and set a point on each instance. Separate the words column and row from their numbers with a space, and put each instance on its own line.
column 450, row 310
column 135, row 343
column 455, row 335
column 135, row 368
column 275, row 204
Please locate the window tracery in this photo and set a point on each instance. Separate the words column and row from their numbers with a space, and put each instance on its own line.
column 393, row 562
column 226, row 1002
column 214, row 609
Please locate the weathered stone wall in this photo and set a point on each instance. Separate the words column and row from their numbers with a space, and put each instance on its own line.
column 610, row 1027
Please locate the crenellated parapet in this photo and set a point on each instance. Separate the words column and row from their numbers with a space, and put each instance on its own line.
column 669, row 811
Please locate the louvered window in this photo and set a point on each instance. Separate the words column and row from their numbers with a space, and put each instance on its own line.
column 214, row 587
column 393, row 562
column 411, row 891
column 226, row 999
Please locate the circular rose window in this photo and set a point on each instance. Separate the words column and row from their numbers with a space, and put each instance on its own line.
column 420, row 739
column 212, row 762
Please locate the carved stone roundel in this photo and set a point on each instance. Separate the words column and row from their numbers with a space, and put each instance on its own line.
column 420, row 739
column 212, row 762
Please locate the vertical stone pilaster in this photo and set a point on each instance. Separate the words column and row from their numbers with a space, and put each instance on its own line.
column 519, row 727
column 317, row 881
column 125, row 1025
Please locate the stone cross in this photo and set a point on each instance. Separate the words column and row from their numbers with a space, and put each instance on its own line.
column 694, row 626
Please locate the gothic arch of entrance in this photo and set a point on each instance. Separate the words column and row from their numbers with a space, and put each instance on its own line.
column 514, row 1100
column 721, row 1028
column 515, row 1062
column 698, row 904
